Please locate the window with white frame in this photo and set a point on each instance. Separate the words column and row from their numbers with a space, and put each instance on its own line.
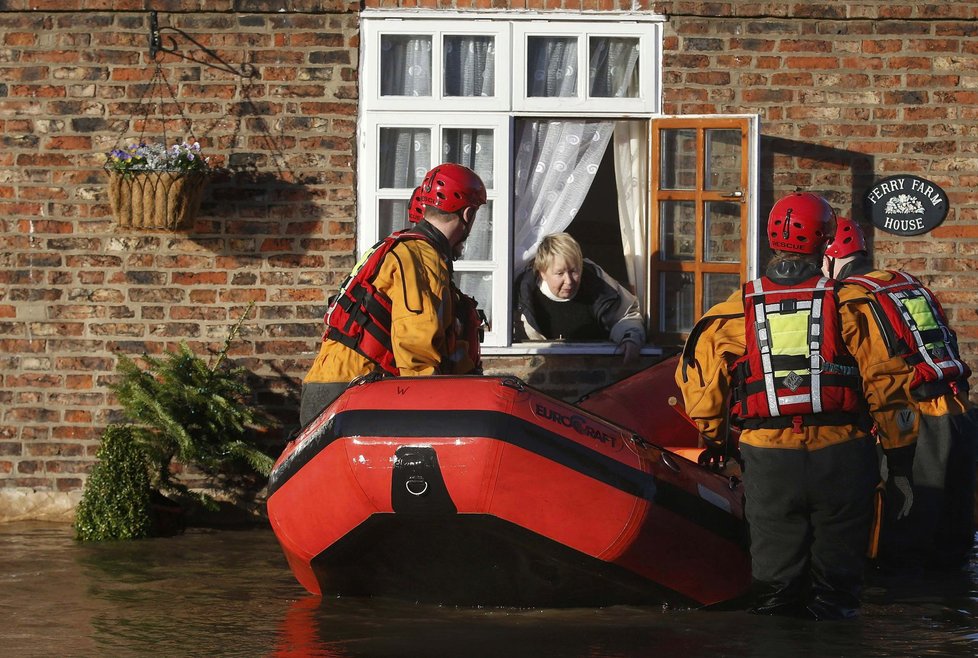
column 547, row 109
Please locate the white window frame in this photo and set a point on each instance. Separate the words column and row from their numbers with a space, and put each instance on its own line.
column 499, row 193
column 499, row 112
column 648, row 97
column 373, row 30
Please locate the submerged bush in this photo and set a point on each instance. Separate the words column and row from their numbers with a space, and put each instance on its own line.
column 116, row 500
column 183, row 408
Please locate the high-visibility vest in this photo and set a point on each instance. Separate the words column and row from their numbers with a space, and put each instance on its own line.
column 796, row 370
column 918, row 319
column 359, row 315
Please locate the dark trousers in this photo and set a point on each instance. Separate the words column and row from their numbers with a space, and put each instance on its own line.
column 940, row 529
column 810, row 516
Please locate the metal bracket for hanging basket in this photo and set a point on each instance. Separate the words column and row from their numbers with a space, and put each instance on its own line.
column 156, row 47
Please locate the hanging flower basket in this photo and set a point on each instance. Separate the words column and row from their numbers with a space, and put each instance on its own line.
column 151, row 187
column 156, row 199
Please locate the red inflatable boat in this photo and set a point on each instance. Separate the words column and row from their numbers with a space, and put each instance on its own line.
column 484, row 491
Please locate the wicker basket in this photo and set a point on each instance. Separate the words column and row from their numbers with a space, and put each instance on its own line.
column 156, row 199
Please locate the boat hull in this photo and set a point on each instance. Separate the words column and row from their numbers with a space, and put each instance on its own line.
column 484, row 491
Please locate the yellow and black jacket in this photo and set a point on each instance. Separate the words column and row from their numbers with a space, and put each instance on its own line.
column 416, row 276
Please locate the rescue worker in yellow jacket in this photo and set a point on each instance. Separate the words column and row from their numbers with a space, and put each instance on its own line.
column 940, row 530
column 805, row 371
column 400, row 312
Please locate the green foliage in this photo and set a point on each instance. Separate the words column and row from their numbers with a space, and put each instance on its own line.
column 116, row 501
column 184, row 409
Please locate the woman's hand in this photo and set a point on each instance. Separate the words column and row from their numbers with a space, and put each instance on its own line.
column 631, row 350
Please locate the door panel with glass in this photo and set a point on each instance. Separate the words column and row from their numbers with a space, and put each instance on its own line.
column 701, row 188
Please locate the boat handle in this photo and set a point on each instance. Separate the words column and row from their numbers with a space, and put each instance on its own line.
column 669, row 462
column 423, row 483
column 514, row 382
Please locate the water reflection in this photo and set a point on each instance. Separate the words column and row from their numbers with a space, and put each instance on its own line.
column 230, row 593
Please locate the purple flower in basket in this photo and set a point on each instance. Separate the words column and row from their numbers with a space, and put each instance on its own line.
column 183, row 157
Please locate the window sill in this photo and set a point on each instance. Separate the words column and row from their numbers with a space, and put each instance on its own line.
column 561, row 348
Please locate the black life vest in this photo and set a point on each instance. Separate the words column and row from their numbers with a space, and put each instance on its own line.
column 918, row 319
column 796, row 370
column 359, row 316
column 472, row 327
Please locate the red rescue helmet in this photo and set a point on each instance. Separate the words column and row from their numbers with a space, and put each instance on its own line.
column 848, row 239
column 799, row 222
column 451, row 187
column 415, row 207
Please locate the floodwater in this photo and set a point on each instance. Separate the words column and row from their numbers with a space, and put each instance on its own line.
column 230, row 593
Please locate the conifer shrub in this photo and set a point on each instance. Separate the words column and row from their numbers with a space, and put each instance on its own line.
column 183, row 408
column 116, row 500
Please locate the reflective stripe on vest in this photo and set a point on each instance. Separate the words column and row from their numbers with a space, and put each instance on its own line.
column 798, row 333
column 795, row 363
column 918, row 319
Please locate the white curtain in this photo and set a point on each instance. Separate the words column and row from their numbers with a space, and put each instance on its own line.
column 551, row 67
column 407, row 65
column 405, row 153
column 614, row 67
column 555, row 165
column 470, row 65
column 632, row 176
column 473, row 148
column 556, row 161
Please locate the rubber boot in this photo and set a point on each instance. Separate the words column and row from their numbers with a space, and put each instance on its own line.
column 778, row 599
column 828, row 605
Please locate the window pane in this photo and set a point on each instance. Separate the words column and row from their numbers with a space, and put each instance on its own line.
column 470, row 64
column 478, row 246
column 392, row 216
column 722, row 229
column 405, row 156
column 677, row 311
column 471, row 147
column 614, row 67
column 551, row 66
column 677, row 159
column 405, row 65
column 677, row 222
column 477, row 285
column 722, row 160
column 717, row 287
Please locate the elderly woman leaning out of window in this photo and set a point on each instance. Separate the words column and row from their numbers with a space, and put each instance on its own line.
column 564, row 296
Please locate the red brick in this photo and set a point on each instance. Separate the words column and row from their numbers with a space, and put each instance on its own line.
column 198, row 278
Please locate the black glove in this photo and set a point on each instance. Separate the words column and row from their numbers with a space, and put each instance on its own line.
column 899, row 480
column 714, row 456
column 899, row 461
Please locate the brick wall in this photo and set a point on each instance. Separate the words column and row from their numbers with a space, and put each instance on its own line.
column 277, row 225
column 847, row 92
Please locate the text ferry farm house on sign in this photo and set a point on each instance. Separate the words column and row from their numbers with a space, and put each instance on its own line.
column 905, row 205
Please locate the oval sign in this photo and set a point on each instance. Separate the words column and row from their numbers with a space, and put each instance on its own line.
column 905, row 205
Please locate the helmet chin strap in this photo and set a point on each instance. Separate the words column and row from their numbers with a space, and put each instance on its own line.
column 466, row 229
column 832, row 263
column 837, row 265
